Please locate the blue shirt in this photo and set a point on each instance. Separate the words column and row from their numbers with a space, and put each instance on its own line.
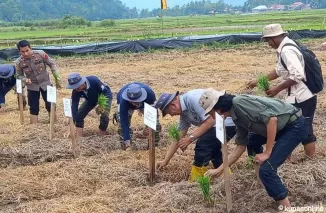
column 6, row 84
column 126, row 105
column 94, row 88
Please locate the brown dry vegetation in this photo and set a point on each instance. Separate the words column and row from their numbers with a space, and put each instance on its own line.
column 38, row 175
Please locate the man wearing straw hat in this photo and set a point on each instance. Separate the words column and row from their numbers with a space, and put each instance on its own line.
column 273, row 122
column 208, row 147
column 89, row 88
column 7, row 82
column 291, row 68
column 131, row 97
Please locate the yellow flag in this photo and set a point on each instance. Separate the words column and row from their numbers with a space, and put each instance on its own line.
column 164, row 5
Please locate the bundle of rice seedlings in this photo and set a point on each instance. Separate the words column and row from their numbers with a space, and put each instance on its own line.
column 174, row 133
column 56, row 77
column 103, row 105
column 204, row 183
column 263, row 83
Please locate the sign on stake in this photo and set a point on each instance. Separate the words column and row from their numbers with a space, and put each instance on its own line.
column 19, row 86
column 19, row 90
column 220, row 134
column 150, row 119
column 51, row 94
column 72, row 129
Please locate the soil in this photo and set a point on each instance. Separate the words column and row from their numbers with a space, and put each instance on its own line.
column 39, row 175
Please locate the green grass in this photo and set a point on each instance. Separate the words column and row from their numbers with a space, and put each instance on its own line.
column 150, row 28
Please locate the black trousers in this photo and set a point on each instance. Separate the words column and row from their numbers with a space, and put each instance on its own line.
column 308, row 108
column 83, row 111
column 208, row 147
column 34, row 101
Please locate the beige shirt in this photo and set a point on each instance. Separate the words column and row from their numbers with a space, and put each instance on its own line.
column 35, row 69
column 295, row 64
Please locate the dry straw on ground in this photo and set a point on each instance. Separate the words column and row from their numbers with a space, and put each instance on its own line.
column 38, row 175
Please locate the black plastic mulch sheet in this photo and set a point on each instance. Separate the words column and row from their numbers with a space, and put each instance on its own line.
column 143, row 45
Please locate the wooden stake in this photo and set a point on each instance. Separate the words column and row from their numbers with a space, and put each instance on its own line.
column 73, row 138
column 151, row 145
column 21, row 108
column 52, row 117
column 227, row 182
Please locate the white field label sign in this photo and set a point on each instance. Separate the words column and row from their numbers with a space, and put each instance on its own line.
column 67, row 107
column 150, row 116
column 19, row 86
column 219, row 127
column 51, row 94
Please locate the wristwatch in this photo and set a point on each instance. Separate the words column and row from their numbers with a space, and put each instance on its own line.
column 192, row 138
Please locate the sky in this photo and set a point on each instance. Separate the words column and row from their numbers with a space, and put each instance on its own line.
column 150, row 4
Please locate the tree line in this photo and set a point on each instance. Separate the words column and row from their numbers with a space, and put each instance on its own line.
column 206, row 6
column 22, row 10
column 316, row 4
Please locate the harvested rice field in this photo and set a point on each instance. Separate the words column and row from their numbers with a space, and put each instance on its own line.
column 38, row 175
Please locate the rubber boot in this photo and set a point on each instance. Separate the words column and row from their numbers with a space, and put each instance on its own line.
column 79, row 132
column 33, row 119
column 197, row 172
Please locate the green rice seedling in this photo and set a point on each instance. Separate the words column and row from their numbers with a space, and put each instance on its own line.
column 204, row 183
column 250, row 162
column 174, row 133
column 103, row 105
column 263, row 83
column 56, row 77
